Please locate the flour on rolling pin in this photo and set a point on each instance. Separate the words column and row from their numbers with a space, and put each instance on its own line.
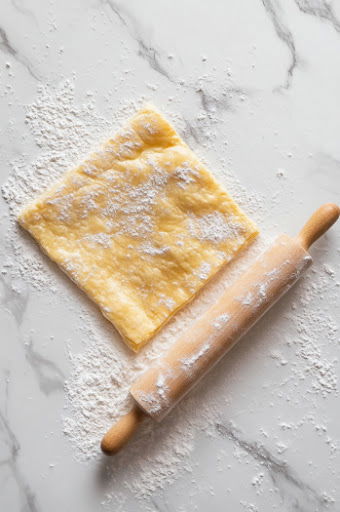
column 157, row 391
column 214, row 333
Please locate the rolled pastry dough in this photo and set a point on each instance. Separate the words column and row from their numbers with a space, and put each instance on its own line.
column 140, row 226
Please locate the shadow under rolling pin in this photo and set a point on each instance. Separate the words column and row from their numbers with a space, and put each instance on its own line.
column 216, row 331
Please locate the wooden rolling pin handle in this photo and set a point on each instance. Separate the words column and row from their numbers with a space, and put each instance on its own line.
column 120, row 433
column 321, row 220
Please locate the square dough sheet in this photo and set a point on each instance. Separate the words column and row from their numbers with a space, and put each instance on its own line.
column 140, row 226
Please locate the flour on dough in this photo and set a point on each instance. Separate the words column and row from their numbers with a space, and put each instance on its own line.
column 140, row 226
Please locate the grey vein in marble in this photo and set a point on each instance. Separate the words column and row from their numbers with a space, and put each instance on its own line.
column 159, row 507
column 210, row 103
column 274, row 12
column 6, row 373
column 320, row 9
column 7, row 47
column 145, row 50
column 151, row 55
column 29, row 499
column 299, row 494
column 20, row 7
column 50, row 377
column 11, row 440
column 193, row 132
column 14, row 297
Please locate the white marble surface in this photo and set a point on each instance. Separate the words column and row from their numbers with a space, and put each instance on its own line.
column 266, row 77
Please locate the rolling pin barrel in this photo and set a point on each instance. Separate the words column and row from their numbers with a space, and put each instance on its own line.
column 216, row 331
column 237, row 310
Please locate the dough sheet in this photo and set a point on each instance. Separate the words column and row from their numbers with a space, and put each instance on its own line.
column 140, row 226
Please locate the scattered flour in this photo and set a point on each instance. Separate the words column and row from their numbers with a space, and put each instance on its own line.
column 186, row 175
column 102, row 239
column 97, row 389
column 221, row 321
column 213, row 227
column 190, row 361
column 100, row 377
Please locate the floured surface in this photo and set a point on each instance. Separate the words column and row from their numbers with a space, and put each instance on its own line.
column 140, row 226
column 261, row 432
column 204, row 344
column 101, row 371
column 299, row 356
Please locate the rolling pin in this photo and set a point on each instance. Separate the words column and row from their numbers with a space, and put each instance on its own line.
column 199, row 348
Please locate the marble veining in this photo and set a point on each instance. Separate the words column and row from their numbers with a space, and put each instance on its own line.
column 192, row 131
column 293, row 489
column 21, row 7
column 146, row 51
column 254, row 88
column 10, row 461
column 49, row 376
column 14, row 297
column 159, row 507
column 210, row 103
column 8, row 48
column 320, row 9
column 274, row 11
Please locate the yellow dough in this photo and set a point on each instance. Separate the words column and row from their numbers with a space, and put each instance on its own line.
column 140, row 226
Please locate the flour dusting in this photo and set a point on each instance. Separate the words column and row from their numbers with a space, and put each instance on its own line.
column 101, row 374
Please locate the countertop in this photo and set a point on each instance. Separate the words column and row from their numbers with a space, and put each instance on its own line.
column 253, row 87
